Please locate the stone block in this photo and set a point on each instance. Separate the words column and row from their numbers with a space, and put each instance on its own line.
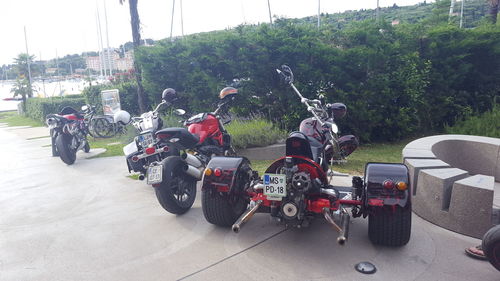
column 415, row 165
column 434, row 192
column 471, row 205
column 477, row 156
column 417, row 154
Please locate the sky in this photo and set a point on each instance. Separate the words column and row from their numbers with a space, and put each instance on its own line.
column 61, row 27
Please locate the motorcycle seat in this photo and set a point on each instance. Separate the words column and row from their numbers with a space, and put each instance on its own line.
column 68, row 110
column 186, row 139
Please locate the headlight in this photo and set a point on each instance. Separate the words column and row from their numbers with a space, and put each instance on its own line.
column 335, row 129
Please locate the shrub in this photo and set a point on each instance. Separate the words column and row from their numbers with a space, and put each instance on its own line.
column 486, row 124
column 38, row 108
column 252, row 133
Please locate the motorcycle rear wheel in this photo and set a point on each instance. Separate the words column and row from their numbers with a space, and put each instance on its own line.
column 63, row 145
column 177, row 191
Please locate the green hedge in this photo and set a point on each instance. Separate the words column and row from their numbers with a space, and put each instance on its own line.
column 38, row 108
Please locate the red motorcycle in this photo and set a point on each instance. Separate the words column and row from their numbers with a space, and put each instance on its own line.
column 68, row 131
column 296, row 188
column 175, row 177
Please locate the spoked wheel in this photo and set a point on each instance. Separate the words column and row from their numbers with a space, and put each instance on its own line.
column 177, row 191
column 102, row 128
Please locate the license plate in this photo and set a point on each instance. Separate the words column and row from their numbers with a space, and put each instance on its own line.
column 274, row 186
column 146, row 139
column 155, row 174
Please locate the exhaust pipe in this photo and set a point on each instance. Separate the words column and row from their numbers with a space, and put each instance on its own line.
column 342, row 230
column 247, row 215
column 345, row 229
column 192, row 171
column 191, row 160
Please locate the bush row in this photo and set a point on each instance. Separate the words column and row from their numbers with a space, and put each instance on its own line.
column 397, row 81
column 38, row 108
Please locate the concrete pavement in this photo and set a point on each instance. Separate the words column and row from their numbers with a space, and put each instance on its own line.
column 88, row 221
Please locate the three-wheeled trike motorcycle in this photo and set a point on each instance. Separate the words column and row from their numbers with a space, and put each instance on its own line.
column 297, row 188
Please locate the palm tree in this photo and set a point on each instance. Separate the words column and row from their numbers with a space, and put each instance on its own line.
column 494, row 10
column 21, row 66
column 136, row 36
column 23, row 88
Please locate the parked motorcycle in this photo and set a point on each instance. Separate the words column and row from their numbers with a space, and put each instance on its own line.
column 145, row 149
column 175, row 177
column 296, row 188
column 69, row 131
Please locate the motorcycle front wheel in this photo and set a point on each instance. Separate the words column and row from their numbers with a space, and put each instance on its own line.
column 177, row 191
column 63, row 145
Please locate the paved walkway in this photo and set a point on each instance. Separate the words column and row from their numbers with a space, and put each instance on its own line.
column 88, row 221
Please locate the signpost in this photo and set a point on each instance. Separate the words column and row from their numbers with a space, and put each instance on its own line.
column 110, row 101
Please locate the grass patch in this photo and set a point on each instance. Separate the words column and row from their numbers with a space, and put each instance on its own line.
column 384, row 152
column 12, row 119
column 253, row 133
column 486, row 124
column 114, row 146
column 133, row 176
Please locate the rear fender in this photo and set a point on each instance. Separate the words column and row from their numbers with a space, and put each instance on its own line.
column 234, row 174
column 375, row 195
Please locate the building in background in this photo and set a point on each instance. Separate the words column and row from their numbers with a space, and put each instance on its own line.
column 111, row 57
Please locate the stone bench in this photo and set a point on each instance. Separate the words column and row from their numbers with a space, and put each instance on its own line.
column 456, row 181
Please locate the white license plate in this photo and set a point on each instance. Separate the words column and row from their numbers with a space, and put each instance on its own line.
column 154, row 174
column 146, row 139
column 274, row 186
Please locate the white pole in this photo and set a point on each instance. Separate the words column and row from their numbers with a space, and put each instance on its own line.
column 269, row 9
column 462, row 14
column 102, row 44
column 28, row 60
column 110, row 58
column 99, row 47
column 172, row 21
column 452, row 4
column 319, row 13
column 182, row 21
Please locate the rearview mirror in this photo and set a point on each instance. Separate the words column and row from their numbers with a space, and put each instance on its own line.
column 179, row 111
column 84, row 108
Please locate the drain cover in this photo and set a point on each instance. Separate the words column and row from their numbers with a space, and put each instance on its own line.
column 365, row 267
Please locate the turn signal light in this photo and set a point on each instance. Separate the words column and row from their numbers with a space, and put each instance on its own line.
column 217, row 172
column 388, row 184
column 208, row 172
column 150, row 150
column 135, row 158
column 401, row 186
column 166, row 149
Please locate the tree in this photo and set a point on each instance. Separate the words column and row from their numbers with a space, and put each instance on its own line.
column 21, row 66
column 136, row 36
column 23, row 88
column 494, row 10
